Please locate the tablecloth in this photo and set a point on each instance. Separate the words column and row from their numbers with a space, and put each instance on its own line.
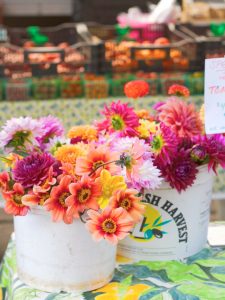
column 202, row 277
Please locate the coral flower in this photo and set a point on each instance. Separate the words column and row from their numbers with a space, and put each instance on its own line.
column 94, row 159
column 128, row 200
column 109, row 185
column 56, row 204
column 120, row 118
column 182, row 118
column 82, row 133
column 69, row 153
column 4, row 181
column 136, row 89
column 14, row 203
column 33, row 199
column 84, row 194
column 112, row 225
column 47, row 184
column 178, row 90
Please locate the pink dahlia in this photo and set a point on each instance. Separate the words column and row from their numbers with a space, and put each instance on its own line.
column 33, row 169
column 20, row 132
column 181, row 172
column 120, row 118
column 52, row 127
column 214, row 149
column 182, row 118
column 164, row 144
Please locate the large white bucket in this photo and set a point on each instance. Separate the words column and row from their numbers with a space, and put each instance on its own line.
column 175, row 225
column 58, row 257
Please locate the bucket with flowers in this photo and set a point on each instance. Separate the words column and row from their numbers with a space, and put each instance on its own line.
column 65, row 194
column 175, row 177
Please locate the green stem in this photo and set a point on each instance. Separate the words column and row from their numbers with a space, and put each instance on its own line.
column 102, row 165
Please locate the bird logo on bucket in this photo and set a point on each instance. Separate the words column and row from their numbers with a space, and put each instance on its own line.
column 150, row 227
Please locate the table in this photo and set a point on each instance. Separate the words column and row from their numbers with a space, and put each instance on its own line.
column 202, row 277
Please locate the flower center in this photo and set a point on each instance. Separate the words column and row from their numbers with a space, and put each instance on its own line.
column 97, row 164
column 43, row 199
column 63, row 197
column 83, row 195
column 19, row 138
column 17, row 199
column 117, row 122
column 157, row 143
column 125, row 203
column 109, row 226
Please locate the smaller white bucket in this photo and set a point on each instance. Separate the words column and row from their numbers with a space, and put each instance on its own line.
column 56, row 257
column 175, row 225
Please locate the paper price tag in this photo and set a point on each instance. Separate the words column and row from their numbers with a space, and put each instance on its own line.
column 214, row 95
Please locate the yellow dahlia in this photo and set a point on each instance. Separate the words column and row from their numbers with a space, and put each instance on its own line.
column 83, row 133
column 145, row 128
column 69, row 153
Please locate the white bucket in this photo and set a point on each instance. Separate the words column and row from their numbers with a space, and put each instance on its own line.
column 56, row 257
column 184, row 218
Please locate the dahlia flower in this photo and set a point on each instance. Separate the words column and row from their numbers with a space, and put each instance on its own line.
column 56, row 203
column 178, row 90
column 181, row 171
column 20, row 132
column 82, row 133
column 199, row 154
column 93, row 161
column 84, row 195
column 214, row 146
column 144, row 114
column 136, row 89
column 52, row 127
column 4, row 181
column 112, row 225
column 128, row 200
column 146, row 128
column 120, row 118
column 181, row 117
column 13, row 200
column 70, row 153
column 33, row 169
column 55, row 143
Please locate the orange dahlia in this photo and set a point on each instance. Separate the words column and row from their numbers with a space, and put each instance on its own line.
column 128, row 200
column 178, row 90
column 82, row 133
column 69, row 153
column 112, row 225
column 136, row 89
column 94, row 159
column 84, row 194
column 56, row 204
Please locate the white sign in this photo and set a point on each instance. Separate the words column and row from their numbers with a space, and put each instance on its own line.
column 215, row 95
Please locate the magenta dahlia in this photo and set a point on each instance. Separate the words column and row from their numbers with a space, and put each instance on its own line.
column 214, row 146
column 182, row 118
column 181, row 172
column 33, row 169
column 120, row 118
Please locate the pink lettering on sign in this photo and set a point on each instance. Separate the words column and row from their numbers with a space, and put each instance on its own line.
column 215, row 89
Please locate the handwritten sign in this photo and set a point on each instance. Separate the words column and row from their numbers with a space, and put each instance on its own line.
column 214, row 95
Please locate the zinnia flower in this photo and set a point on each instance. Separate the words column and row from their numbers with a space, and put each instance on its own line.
column 136, row 89
column 19, row 132
column 178, row 90
column 13, row 200
column 181, row 172
column 52, row 127
column 181, row 117
column 94, row 159
column 109, row 184
column 56, row 204
column 82, row 133
column 47, row 184
column 164, row 143
column 128, row 200
column 4, row 181
column 112, row 225
column 33, row 199
column 214, row 146
column 84, row 194
column 120, row 118
column 33, row 169
column 70, row 153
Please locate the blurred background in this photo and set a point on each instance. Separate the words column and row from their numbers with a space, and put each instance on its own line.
column 70, row 57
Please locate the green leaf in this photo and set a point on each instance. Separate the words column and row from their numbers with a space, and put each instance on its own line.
column 163, row 223
column 124, row 285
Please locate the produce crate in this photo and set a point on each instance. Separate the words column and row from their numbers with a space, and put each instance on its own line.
column 17, row 90
column 195, row 83
column 71, row 86
column 152, row 79
column 117, row 83
column 45, row 88
column 96, row 87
